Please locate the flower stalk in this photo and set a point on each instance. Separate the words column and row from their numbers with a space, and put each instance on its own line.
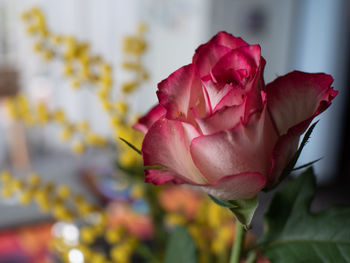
column 238, row 243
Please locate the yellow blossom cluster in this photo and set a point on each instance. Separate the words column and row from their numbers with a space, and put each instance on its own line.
column 49, row 197
column 211, row 229
column 83, row 68
column 80, row 134
column 66, row 206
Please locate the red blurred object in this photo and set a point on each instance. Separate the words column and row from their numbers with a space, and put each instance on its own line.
column 140, row 225
column 28, row 244
column 187, row 200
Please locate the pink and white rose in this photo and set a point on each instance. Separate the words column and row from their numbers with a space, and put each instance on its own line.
column 219, row 127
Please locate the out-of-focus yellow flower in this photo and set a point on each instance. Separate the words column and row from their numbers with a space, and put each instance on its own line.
column 87, row 235
column 26, row 196
column 59, row 116
column 63, row 192
column 66, row 133
column 83, row 207
column 98, row 258
column 17, row 184
column 75, row 84
column 5, row 177
column 48, row 54
column 103, row 93
column 106, row 81
column 25, row 16
column 126, row 159
column 85, row 71
column 61, row 212
column 31, row 30
column 11, row 108
column 6, row 192
column 83, row 126
column 78, row 147
column 137, row 191
column 38, row 46
column 33, row 179
column 57, row 39
column 131, row 66
column 68, row 69
column 106, row 105
column 114, row 235
column 122, row 107
column 145, row 75
column 85, row 250
column 120, row 254
column 106, row 69
column 214, row 215
column 42, row 112
column 115, row 122
column 142, row 28
column 173, row 219
column 96, row 140
column 129, row 87
column 134, row 45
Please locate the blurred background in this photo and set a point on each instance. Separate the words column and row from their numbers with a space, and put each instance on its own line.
column 306, row 35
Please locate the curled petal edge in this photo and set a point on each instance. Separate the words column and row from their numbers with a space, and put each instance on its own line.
column 231, row 187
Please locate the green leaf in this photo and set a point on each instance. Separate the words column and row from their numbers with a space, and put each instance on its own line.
column 293, row 234
column 242, row 209
column 181, row 247
column 222, row 203
column 131, row 146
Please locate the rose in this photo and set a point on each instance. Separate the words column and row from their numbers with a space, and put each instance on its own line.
column 217, row 126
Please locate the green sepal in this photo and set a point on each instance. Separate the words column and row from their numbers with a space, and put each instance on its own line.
column 131, row 145
column 222, row 203
column 242, row 209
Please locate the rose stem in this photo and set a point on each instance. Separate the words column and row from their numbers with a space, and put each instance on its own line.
column 237, row 243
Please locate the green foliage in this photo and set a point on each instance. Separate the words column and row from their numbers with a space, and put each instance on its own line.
column 242, row 209
column 293, row 234
column 131, row 146
column 181, row 247
column 222, row 203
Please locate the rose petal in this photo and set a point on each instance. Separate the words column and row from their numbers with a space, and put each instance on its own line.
column 298, row 96
column 236, row 187
column 237, row 66
column 162, row 176
column 167, row 144
column 284, row 150
column 244, row 148
column 144, row 123
column 217, row 91
column 224, row 119
column 252, row 91
column 180, row 93
column 208, row 54
column 228, row 40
